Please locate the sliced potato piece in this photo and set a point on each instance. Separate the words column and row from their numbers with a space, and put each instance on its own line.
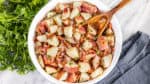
column 66, row 13
column 60, row 7
column 67, row 22
column 71, row 67
column 77, row 36
column 42, row 38
column 89, row 57
column 63, row 76
column 96, row 62
column 41, row 62
column 49, row 22
column 50, row 70
column 53, row 28
column 84, row 77
column 50, row 14
column 87, row 45
column 75, row 12
column 97, row 72
column 53, row 41
column 52, row 51
column 84, row 67
column 37, row 44
column 71, row 40
column 106, row 60
column 77, row 4
column 73, row 53
column 86, row 16
column 68, row 31
column 59, row 31
column 58, row 19
column 79, row 19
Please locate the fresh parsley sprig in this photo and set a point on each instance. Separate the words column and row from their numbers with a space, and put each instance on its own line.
column 15, row 19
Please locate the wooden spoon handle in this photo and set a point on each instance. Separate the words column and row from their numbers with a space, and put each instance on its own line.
column 119, row 6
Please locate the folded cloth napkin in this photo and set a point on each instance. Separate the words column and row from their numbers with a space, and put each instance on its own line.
column 133, row 66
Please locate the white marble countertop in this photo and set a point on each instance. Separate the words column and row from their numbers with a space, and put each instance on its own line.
column 132, row 18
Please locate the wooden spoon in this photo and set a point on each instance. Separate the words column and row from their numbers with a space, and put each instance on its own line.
column 103, row 19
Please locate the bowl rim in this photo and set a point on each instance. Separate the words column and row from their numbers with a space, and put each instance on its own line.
column 39, row 16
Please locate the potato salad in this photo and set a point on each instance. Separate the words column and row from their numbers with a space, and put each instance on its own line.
column 67, row 50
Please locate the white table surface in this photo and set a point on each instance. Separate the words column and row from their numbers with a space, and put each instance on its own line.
column 132, row 18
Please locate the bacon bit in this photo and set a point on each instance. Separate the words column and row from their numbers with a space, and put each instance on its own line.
column 72, row 77
column 82, row 55
column 61, row 60
column 82, row 39
column 50, row 61
column 86, row 56
column 41, row 28
column 59, row 74
column 43, row 49
column 63, row 41
column 88, row 8
column 82, row 29
column 102, row 43
column 49, row 35
column 78, row 45
column 94, row 44
column 71, row 69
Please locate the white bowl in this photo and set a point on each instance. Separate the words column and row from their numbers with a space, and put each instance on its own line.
column 49, row 6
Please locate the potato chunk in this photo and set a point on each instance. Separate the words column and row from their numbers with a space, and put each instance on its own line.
column 86, row 16
column 40, row 59
column 50, row 70
column 53, row 28
column 42, row 38
column 73, row 53
column 106, row 60
column 84, row 67
column 53, row 41
column 58, row 19
column 75, row 12
column 52, row 51
column 68, row 31
column 77, row 36
column 97, row 72
column 87, row 45
column 77, row 4
column 84, row 77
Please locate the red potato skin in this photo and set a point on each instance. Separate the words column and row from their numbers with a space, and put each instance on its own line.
column 50, row 62
column 72, row 78
column 102, row 44
column 71, row 69
column 88, row 8
column 83, row 55
column 42, row 27
column 82, row 29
